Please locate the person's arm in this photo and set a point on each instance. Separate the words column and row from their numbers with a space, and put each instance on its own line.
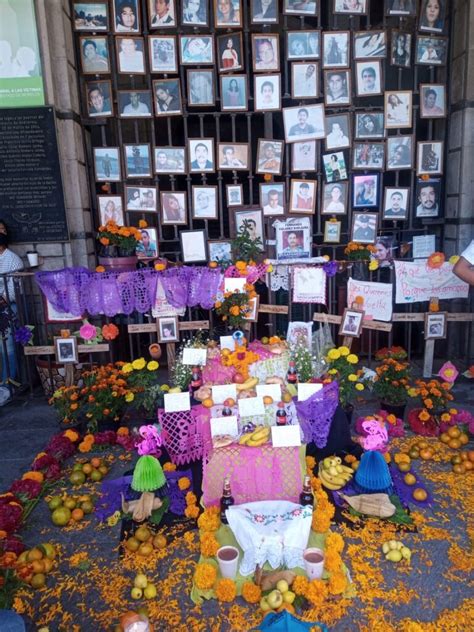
column 464, row 270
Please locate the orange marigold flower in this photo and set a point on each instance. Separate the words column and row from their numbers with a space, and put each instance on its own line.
column 424, row 415
column 204, row 576
column 184, row 483
column 209, row 545
column 337, row 583
column 192, row 512
column 300, row 585
column 317, row 592
column 160, row 266
column 240, row 265
column 335, row 542
column 169, row 467
column 33, row 476
column 435, row 260
column 251, row 592
column 191, row 499
column 110, row 332
column 123, row 431
column 105, row 241
column 210, row 519
column 142, row 223
column 226, row 590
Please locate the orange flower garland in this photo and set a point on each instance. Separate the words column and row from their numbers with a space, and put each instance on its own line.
column 209, row 544
column 205, row 576
column 192, row 510
column 184, row 483
column 226, row 590
column 251, row 592
column 210, row 519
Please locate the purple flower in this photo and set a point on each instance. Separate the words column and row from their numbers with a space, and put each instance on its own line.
column 23, row 335
column 330, row 268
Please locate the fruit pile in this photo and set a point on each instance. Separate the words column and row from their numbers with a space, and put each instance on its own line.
column 395, row 551
column 69, row 509
column 144, row 541
column 454, row 438
column 143, row 588
column 278, row 597
column 463, row 462
column 403, row 461
column 332, row 474
column 256, row 437
column 93, row 470
column 34, row 564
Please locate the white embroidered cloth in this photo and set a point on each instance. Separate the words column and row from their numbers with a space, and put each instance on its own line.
column 273, row 531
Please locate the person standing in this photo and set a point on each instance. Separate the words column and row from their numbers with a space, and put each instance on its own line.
column 464, row 268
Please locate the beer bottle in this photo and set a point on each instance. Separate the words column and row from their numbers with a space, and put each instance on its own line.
column 306, row 496
column 227, row 500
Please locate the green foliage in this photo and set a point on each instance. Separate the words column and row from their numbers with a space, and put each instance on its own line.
column 244, row 247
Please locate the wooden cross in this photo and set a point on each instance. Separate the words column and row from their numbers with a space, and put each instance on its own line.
column 376, row 325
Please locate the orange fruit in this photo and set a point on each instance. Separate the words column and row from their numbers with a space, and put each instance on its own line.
column 207, row 403
column 47, row 564
column 444, row 437
column 37, row 566
column 459, row 468
column 455, row 444
column 87, row 468
column 409, row 479
column 468, row 466
column 132, row 544
column 421, row 445
column 34, row 554
column 286, row 398
column 225, row 352
column 404, row 467
column 454, row 432
column 87, row 507
column 103, row 469
column 145, row 549
column 96, row 476
column 464, row 456
column 77, row 514
column 470, row 455
column 426, row 454
column 419, row 494
column 267, row 400
column 159, row 541
column 38, row 580
column 61, row 516
column 229, row 402
column 456, row 459
column 96, row 462
column 463, row 438
column 143, row 534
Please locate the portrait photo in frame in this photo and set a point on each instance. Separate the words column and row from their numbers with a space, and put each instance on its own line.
column 267, row 92
column 304, row 156
column 107, row 164
column 269, row 156
column 395, row 203
column 99, row 100
column 351, row 323
column 228, row 14
column 220, row 251
column 163, row 53
column 193, row 245
column 293, row 239
column 137, row 161
column 201, row 88
column 167, row 95
column 398, row 109
column 233, row 156
column 204, row 201
column 298, row 7
column 368, row 155
column 168, row 329
column 110, row 209
column 230, row 52
column 272, row 198
column 234, row 93
column 436, row 325
column 351, row 7
column 370, row 44
column 303, row 196
column 170, row 159
column 432, row 16
column 162, row 14
column 431, row 51
column 338, row 131
column 234, row 194
column 304, row 80
column 196, row 50
column 332, row 232
column 337, row 87
column 143, row 199
column 130, row 55
column 201, row 155
column 126, row 16
column 90, row 17
column 173, row 208
column 399, row 152
column 135, row 103
column 429, row 158
column 364, row 227
column 365, row 190
column 303, row 45
column 432, row 100
column 195, row 13
column 147, row 248
column 368, row 78
column 334, row 166
column 336, row 49
column 250, row 221
column 334, row 200
column 265, row 52
column 264, row 11
column 94, row 55
column 401, row 8
column 252, row 316
column 369, row 125
column 65, row 350
column 428, row 197
column 400, row 54
column 304, row 123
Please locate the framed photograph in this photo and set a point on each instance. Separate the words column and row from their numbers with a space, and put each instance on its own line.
column 147, row 248
column 201, row 155
column 270, row 156
column 351, row 7
column 107, row 164
column 167, row 95
column 130, row 55
column 252, row 222
column 264, row 11
column 384, row 251
column 194, row 13
column 400, row 49
column 336, row 49
column 110, row 209
column 170, row 159
column 234, row 194
column 293, row 239
column 398, row 109
column 304, row 123
column 431, row 51
column 300, row 7
column 267, row 92
column 265, row 52
column 220, row 251
column 337, row 131
column 351, row 323
column 335, row 166
column 204, row 202
column 196, row 49
column 272, row 198
column 432, row 100
column 163, row 53
column 399, row 152
column 428, row 197
column 370, row 44
column 430, row 158
column 334, row 198
column 252, row 317
column 304, row 156
column 364, row 227
column 228, row 14
column 65, row 350
column 436, row 325
column 193, row 246
column 332, row 232
column 369, row 125
column 168, row 329
column 400, row 7
column 137, row 161
column 365, row 191
column 234, row 93
column 368, row 78
column 94, row 55
column 91, row 16
column 173, row 208
column 201, row 88
column 304, row 80
column 162, row 14
column 432, row 16
column 126, row 16
column 135, row 104
column 368, row 155
column 99, row 99
column 337, row 87
column 304, row 44
column 233, row 156
column 303, row 196
column 53, row 316
column 395, row 203
column 142, row 199
column 230, row 52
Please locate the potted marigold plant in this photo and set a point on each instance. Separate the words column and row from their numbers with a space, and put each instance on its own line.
column 118, row 246
column 234, row 306
column 392, row 380
column 142, row 380
column 435, row 397
column 360, row 255
column 342, row 367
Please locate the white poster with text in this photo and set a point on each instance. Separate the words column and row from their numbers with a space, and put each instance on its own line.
column 377, row 297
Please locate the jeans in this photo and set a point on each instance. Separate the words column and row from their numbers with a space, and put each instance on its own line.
column 9, row 343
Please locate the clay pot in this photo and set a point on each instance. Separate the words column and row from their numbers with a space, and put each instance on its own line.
column 155, row 351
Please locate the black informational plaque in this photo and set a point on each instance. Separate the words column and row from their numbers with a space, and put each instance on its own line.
column 31, row 190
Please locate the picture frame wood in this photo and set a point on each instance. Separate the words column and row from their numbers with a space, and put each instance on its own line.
column 364, row 227
column 304, row 156
column 393, row 7
column 234, row 93
column 130, row 106
column 195, row 18
column 369, row 44
column 99, row 101
column 173, row 208
column 201, row 155
column 95, row 55
column 429, row 160
column 234, row 194
column 163, row 54
column 130, row 53
column 303, row 45
column 137, row 160
column 431, row 50
column 127, row 21
column 167, row 97
column 294, row 7
column 337, row 88
column 194, row 245
column 88, row 21
column 338, row 131
column 303, row 195
column 201, row 87
column 233, row 156
column 66, row 349
column 351, row 7
column 168, row 329
column 220, row 250
column 400, row 48
column 230, row 59
column 436, row 325
column 167, row 19
column 138, row 198
column 368, row 155
column 254, row 305
column 196, row 50
column 430, row 22
column 265, row 52
column 110, row 208
column 334, row 198
column 398, row 108
column 270, row 154
column 351, row 323
column 204, row 208
column 107, row 164
column 396, row 203
column 169, row 159
column 369, row 79
column 304, row 80
column 332, row 232
column 272, row 198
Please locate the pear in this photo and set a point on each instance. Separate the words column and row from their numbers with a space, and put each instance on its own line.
column 385, row 548
column 282, row 586
column 264, row 605
column 275, row 599
column 406, row 553
column 140, row 581
column 392, row 545
column 393, row 556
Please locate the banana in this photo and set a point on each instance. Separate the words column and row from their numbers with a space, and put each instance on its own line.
column 260, row 432
column 244, row 439
column 329, row 485
column 257, row 443
column 344, row 468
column 333, row 471
column 248, row 384
column 334, row 480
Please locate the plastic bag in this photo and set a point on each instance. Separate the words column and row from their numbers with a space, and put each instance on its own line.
column 321, row 343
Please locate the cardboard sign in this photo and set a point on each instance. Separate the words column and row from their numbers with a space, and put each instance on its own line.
column 309, row 285
column 224, row 426
column 194, row 357
column 286, row 436
column 423, row 246
column 306, row 390
column 417, row 283
column 234, row 285
column 221, row 392
column 176, row 402
column 251, row 407
column 271, row 390
column 377, row 298
column 227, row 342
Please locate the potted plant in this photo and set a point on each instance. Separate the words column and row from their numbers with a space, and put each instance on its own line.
column 118, row 246
column 342, row 367
column 142, row 379
column 434, row 396
column 360, row 255
column 392, row 380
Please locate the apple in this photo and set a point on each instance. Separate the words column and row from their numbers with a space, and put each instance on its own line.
column 239, row 378
column 264, row 604
column 136, row 593
column 282, row 586
column 140, row 581
column 275, row 599
column 150, row 592
column 288, row 596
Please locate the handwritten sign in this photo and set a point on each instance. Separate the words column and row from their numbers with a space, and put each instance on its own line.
column 309, row 285
column 377, row 298
column 416, row 282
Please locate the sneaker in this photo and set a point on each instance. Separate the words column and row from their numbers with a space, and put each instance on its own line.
column 5, row 395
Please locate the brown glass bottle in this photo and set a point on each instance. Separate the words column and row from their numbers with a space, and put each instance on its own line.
column 227, row 500
column 306, row 496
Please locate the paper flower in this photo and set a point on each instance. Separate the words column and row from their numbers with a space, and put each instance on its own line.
column 435, row 260
column 453, row 259
column 110, row 332
column 330, row 268
column 448, row 372
column 87, row 331
column 24, row 335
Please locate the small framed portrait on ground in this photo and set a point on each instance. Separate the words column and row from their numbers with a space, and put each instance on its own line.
column 195, row 13
column 233, row 156
column 265, row 52
column 400, row 7
column 234, row 194
column 201, row 155
column 337, row 87
column 399, row 152
column 142, row 199
column 204, row 205
column 272, row 198
column 428, row 197
column 304, row 44
column 137, row 161
column 364, row 227
column 337, row 131
column 126, row 16
column 269, row 156
column 395, row 203
column 110, row 209
column 193, row 245
column 370, row 45
column 398, row 109
column 365, row 191
column 99, row 99
column 334, row 198
column 335, row 166
column 432, row 16
column 65, row 350
column 147, row 248
column 436, row 325
column 369, row 78
column 432, row 100
column 220, row 251
column 303, row 156
column 351, row 7
column 130, row 55
column 336, row 49
column 135, row 104
column 250, row 222
column 94, row 55
column 303, row 196
column 430, row 158
column 369, row 125
column 267, row 92
column 107, row 164
column 229, row 52
column 368, row 155
column 168, row 329
column 351, row 323
column 304, row 80
column 163, row 53
column 173, row 208
column 431, row 51
column 167, row 95
column 91, row 16
column 304, row 123
column 170, row 159
column 228, row 14
column 400, row 54
column 196, row 49
column 162, row 14
column 264, row 11
column 234, row 93
column 201, row 88
column 332, row 231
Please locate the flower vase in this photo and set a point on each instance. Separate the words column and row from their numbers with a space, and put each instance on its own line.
column 360, row 271
column 394, row 409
